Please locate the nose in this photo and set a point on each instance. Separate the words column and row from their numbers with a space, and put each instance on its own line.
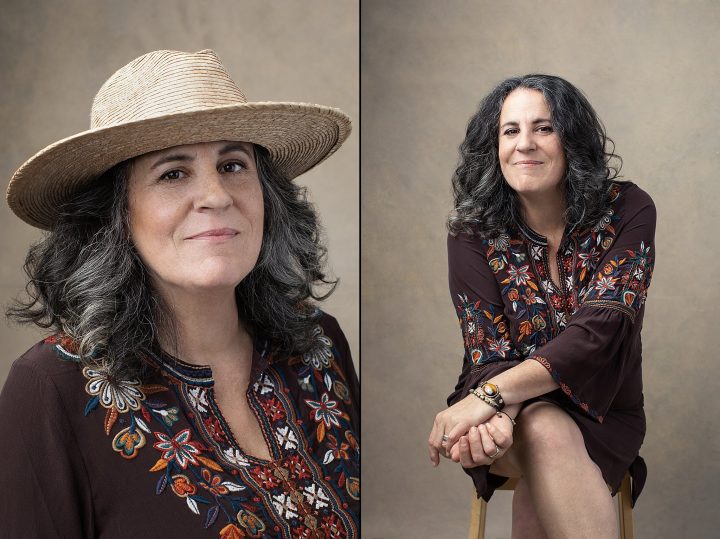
column 212, row 193
column 526, row 141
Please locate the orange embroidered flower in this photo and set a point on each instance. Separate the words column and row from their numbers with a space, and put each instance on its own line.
column 128, row 443
column 182, row 486
column 607, row 269
column 502, row 328
column 525, row 328
column 513, row 294
column 231, row 531
column 213, row 483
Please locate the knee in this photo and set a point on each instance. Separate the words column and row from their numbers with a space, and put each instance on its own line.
column 545, row 430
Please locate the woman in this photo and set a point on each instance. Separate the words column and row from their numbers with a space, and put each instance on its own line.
column 550, row 258
column 190, row 388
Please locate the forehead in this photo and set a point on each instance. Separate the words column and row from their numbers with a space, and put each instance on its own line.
column 524, row 103
column 215, row 147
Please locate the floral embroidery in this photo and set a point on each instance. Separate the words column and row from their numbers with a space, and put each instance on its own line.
column 119, row 394
column 179, row 448
column 128, row 442
column 622, row 283
column 182, row 486
column 218, row 479
column 325, row 410
column 539, row 308
column 320, row 356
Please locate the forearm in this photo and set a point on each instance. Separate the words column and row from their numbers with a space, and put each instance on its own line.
column 522, row 382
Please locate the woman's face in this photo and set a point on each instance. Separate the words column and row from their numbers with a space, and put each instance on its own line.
column 196, row 215
column 532, row 158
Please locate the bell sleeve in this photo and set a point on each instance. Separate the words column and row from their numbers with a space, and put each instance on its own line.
column 601, row 343
column 45, row 490
column 486, row 331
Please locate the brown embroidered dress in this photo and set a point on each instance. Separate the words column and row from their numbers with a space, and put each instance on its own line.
column 88, row 456
column 585, row 330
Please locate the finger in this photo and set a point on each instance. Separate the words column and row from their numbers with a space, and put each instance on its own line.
column 466, row 460
column 454, row 453
column 502, row 438
column 434, row 452
column 476, row 447
column 488, row 444
column 460, row 429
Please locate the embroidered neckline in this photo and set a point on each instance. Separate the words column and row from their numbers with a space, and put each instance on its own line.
column 201, row 375
column 300, row 492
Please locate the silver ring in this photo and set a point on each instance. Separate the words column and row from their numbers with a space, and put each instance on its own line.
column 445, row 437
column 497, row 452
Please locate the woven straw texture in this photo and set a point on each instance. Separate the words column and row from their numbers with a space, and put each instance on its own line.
column 164, row 99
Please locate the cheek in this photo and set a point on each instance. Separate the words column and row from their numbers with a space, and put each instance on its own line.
column 150, row 223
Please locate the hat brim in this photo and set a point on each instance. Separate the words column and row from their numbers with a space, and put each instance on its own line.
column 297, row 135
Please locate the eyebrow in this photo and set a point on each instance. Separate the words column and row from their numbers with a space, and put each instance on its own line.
column 184, row 157
column 538, row 121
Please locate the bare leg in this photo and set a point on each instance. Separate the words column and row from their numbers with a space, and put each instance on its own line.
column 525, row 522
column 566, row 487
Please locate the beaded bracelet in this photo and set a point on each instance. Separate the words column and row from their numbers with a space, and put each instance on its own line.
column 487, row 400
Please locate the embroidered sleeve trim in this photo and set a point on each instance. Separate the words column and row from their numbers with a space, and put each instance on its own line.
column 609, row 304
column 566, row 389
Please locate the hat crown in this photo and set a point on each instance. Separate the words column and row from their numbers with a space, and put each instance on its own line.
column 162, row 83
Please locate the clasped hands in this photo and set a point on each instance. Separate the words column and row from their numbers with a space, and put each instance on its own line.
column 470, row 432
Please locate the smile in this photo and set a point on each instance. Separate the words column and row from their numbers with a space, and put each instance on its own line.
column 215, row 234
column 529, row 163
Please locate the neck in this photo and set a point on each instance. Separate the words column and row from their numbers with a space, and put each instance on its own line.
column 208, row 328
column 544, row 214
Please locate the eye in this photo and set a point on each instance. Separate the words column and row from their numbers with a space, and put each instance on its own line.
column 511, row 131
column 545, row 129
column 232, row 167
column 172, row 175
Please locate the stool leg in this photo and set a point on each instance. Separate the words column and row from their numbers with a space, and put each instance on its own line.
column 625, row 510
column 477, row 518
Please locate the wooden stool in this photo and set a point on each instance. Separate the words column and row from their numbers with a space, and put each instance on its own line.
column 625, row 517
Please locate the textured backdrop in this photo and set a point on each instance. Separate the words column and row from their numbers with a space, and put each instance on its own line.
column 55, row 55
column 651, row 70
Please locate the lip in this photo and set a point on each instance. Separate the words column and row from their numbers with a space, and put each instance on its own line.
column 214, row 234
column 529, row 162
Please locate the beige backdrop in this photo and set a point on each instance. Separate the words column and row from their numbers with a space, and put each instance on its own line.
column 651, row 70
column 55, row 55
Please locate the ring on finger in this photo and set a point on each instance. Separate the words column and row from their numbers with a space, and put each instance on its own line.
column 497, row 452
column 445, row 438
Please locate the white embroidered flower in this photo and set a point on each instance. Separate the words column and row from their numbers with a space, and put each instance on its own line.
column 604, row 221
column 124, row 395
column 501, row 243
column 321, row 355
column 235, row 457
column 315, row 496
column 198, row 399
column 286, row 437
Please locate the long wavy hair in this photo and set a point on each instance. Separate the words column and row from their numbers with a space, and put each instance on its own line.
column 484, row 202
column 86, row 279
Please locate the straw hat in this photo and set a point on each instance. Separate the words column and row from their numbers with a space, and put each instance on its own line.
column 164, row 99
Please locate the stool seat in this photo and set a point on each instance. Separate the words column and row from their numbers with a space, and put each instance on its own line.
column 624, row 499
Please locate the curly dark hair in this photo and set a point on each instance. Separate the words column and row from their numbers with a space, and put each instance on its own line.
column 484, row 202
column 87, row 280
